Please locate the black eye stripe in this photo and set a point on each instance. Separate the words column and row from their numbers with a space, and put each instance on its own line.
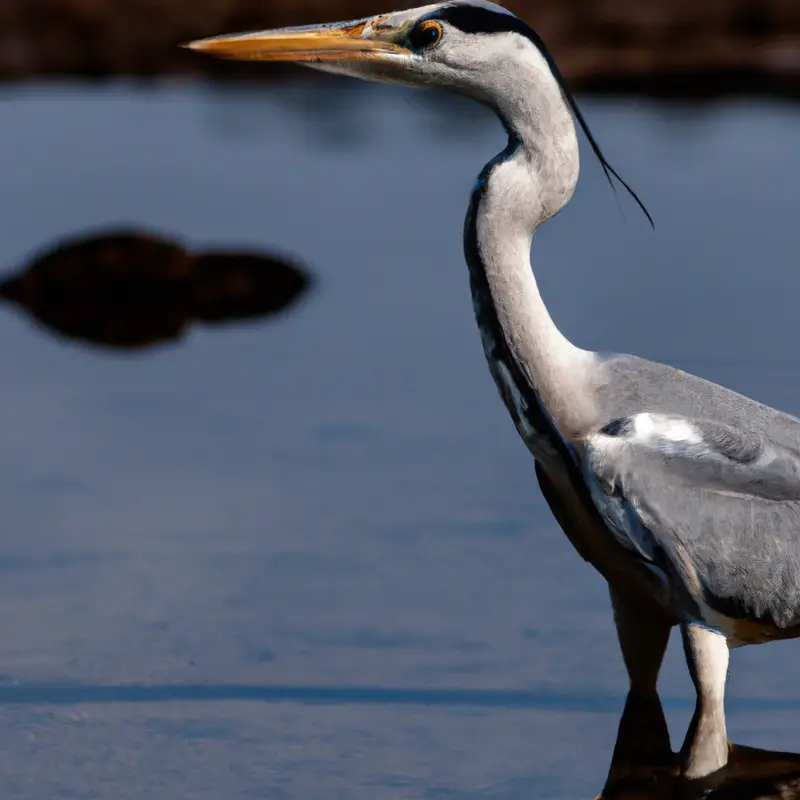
column 477, row 19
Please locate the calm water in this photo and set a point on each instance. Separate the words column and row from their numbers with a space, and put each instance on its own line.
column 308, row 558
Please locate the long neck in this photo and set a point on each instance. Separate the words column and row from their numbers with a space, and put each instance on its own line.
column 539, row 372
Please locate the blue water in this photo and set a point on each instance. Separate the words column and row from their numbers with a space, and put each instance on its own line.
column 307, row 558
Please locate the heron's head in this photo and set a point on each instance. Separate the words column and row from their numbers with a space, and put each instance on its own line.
column 475, row 48
column 472, row 47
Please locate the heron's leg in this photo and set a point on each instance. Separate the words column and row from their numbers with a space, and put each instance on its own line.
column 705, row 749
column 643, row 737
column 643, row 639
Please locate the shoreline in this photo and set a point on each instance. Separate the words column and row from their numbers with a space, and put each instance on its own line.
column 686, row 50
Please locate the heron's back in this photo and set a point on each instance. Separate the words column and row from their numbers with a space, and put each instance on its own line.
column 629, row 385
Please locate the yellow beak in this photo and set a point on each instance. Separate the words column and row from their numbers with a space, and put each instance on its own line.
column 349, row 41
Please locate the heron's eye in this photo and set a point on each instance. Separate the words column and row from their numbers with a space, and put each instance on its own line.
column 427, row 34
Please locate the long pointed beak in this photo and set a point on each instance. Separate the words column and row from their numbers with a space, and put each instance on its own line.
column 365, row 40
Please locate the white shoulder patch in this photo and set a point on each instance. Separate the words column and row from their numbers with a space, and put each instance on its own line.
column 649, row 427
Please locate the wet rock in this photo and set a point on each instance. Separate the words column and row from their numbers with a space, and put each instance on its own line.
column 680, row 47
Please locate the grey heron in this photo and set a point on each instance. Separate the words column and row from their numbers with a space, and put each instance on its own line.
column 683, row 494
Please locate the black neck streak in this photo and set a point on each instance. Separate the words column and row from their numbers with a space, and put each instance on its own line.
column 497, row 351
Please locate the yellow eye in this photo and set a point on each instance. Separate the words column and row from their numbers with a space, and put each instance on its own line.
column 427, row 34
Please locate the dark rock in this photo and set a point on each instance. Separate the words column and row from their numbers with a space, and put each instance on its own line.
column 133, row 290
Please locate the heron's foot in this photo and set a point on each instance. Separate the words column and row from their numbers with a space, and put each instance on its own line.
column 707, row 749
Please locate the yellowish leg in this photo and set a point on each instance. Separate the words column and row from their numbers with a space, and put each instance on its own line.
column 706, row 748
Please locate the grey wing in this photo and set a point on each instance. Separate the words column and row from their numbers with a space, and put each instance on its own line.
column 713, row 508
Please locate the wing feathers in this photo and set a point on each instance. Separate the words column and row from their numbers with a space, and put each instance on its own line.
column 713, row 506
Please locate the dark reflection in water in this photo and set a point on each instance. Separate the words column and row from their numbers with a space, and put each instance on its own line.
column 69, row 693
column 133, row 290
column 641, row 728
column 644, row 768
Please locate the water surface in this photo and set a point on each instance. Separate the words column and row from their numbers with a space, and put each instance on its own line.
column 308, row 558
